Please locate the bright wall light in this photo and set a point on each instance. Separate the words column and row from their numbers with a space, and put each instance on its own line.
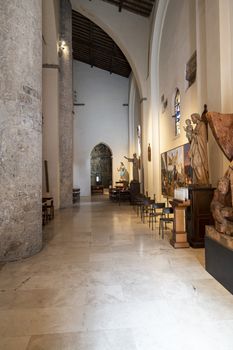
column 61, row 47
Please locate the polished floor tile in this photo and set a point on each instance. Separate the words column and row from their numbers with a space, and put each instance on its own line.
column 105, row 281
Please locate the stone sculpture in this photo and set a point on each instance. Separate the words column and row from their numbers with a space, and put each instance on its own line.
column 221, row 206
column 222, row 203
column 188, row 129
column 198, row 150
column 135, row 162
column 222, row 129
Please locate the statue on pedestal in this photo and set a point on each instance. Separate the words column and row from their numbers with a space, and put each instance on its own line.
column 124, row 175
column 135, row 162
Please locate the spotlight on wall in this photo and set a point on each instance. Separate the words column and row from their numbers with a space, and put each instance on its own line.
column 61, row 47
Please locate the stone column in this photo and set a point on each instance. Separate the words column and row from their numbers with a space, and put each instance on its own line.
column 66, row 106
column 20, row 128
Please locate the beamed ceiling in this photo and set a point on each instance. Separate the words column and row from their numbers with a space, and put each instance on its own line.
column 93, row 46
column 140, row 7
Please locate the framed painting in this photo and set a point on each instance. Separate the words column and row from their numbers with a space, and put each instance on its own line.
column 176, row 169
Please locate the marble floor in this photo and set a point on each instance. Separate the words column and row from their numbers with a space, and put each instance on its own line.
column 105, row 281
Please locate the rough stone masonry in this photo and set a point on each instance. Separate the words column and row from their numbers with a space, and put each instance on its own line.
column 20, row 128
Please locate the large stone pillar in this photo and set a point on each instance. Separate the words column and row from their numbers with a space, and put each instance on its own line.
column 66, row 106
column 20, row 128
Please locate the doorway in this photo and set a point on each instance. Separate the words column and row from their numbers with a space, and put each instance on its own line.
column 101, row 168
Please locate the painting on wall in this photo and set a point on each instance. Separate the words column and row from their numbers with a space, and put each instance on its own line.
column 176, row 169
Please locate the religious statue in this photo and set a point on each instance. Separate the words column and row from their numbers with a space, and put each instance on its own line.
column 222, row 203
column 188, row 129
column 221, row 206
column 198, row 151
column 135, row 162
column 123, row 172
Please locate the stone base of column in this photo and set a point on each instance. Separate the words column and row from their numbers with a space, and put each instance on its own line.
column 20, row 242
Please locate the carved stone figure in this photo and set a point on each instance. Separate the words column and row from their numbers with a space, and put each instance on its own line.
column 135, row 162
column 221, row 206
column 188, row 129
column 222, row 129
column 198, row 151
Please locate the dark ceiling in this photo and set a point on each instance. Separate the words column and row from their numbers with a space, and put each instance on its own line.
column 140, row 7
column 93, row 46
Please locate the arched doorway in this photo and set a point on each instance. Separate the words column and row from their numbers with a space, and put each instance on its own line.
column 101, row 167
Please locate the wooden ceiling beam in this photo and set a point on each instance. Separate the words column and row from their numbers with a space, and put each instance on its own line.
column 100, row 48
column 137, row 10
column 140, row 7
column 140, row 4
column 120, row 5
column 93, row 46
column 120, row 72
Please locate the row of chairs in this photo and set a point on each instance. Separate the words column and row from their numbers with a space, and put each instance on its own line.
column 148, row 208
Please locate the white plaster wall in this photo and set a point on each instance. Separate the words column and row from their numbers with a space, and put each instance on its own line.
column 154, row 98
column 103, row 119
column 173, row 41
column 128, row 30
column 204, row 25
column 178, row 43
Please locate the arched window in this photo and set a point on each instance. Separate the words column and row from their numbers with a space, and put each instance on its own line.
column 177, row 112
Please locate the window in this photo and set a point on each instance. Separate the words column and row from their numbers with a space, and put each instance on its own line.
column 177, row 112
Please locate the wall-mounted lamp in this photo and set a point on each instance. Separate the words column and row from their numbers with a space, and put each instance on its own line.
column 61, row 47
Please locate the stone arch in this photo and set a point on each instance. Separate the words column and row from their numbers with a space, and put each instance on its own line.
column 101, row 165
column 107, row 28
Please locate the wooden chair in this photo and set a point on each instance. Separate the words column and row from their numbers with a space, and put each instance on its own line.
column 146, row 208
column 156, row 210
column 165, row 219
column 44, row 213
column 138, row 202
column 50, row 209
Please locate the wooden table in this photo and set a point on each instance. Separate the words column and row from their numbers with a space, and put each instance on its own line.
column 97, row 189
